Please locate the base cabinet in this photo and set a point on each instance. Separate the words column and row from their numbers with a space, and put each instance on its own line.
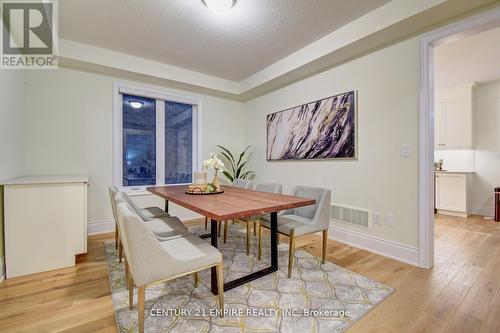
column 45, row 225
column 451, row 194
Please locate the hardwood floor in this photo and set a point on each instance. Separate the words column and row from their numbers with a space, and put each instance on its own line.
column 460, row 294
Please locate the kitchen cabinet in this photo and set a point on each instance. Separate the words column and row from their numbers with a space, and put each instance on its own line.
column 454, row 118
column 45, row 223
column 452, row 193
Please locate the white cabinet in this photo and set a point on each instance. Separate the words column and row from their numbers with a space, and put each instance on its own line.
column 454, row 118
column 45, row 223
column 452, row 193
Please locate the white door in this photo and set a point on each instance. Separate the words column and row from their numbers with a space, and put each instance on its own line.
column 451, row 192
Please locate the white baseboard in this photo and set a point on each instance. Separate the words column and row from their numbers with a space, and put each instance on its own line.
column 483, row 210
column 100, row 227
column 393, row 250
column 2, row 269
column 106, row 226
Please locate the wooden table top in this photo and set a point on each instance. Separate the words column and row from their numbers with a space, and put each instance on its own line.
column 234, row 203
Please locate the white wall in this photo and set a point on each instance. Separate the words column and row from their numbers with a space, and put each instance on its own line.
column 487, row 152
column 11, row 136
column 12, row 92
column 69, row 128
column 381, row 180
column 456, row 160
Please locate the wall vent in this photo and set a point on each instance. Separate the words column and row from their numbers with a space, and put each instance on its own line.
column 351, row 215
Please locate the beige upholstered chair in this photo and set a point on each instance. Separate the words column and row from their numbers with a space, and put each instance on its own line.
column 241, row 183
column 163, row 226
column 145, row 213
column 151, row 261
column 112, row 193
column 303, row 220
column 262, row 187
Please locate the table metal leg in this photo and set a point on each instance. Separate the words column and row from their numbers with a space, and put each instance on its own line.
column 255, row 275
column 166, row 206
column 213, row 240
column 274, row 240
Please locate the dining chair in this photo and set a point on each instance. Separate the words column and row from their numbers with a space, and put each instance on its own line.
column 241, row 183
column 302, row 221
column 113, row 191
column 151, row 261
column 261, row 187
column 163, row 226
column 145, row 213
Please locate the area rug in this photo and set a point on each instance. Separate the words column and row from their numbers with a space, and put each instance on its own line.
column 318, row 298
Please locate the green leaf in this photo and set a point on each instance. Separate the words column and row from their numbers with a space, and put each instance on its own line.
column 246, row 174
column 230, row 162
column 228, row 152
column 240, row 169
column 242, row 154
column 228, row 176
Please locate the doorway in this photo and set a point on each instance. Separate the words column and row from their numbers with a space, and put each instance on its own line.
column 455, row 31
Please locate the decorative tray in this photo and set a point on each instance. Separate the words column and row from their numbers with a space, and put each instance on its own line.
column 199, row 192
column 202, row 190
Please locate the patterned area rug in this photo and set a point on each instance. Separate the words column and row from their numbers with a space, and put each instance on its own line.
column 318, row 298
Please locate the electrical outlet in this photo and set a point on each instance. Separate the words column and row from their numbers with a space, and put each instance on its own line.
column 390, row 220
column 405, row 150
column 378, row 218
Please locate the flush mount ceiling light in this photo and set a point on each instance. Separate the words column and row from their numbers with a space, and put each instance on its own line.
column 219, row 6
column 136, row 105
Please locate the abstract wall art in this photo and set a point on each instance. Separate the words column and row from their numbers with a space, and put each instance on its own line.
column 317, row 130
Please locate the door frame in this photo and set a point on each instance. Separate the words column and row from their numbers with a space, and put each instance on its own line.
column 484, row 21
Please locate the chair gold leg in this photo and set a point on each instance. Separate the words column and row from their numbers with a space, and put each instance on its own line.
column 206, row 223
column 291, row 250
column 225, row 230
column 248, row 238
column 196, row 277
column 325, row 243
column 130, row 284
column 116, row 236
column 220, row 286
column 255, row 228
column 126, row 273
column 142, row 299
column 120, row 251
column 259, row 255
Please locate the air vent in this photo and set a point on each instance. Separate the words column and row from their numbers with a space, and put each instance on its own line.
column 351, row 215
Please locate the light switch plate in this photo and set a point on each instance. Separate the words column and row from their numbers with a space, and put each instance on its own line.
column 405, row 150
column 390, row 220
column 378, row 218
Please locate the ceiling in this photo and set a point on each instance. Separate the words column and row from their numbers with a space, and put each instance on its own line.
column 471, row 59
column 184, row 33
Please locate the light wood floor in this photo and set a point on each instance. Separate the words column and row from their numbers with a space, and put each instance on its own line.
column 460, row 294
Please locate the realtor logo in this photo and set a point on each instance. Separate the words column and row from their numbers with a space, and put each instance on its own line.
column 29, row 35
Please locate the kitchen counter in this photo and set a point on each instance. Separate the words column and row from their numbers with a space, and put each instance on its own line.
column 456, row 172
column 32, row 180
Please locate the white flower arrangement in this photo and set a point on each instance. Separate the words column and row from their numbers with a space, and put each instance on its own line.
column 213, row 162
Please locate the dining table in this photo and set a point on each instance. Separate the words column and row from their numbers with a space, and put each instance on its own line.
column 234, row 203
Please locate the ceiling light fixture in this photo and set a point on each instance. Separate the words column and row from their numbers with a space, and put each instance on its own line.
column 219, row 6
column 136, row 105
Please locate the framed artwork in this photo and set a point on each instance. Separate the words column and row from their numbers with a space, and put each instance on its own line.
column 324, row 129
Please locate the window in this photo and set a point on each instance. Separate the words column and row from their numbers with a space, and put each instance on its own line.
column 139, row 141
column 178, row 143
column 154, row 138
